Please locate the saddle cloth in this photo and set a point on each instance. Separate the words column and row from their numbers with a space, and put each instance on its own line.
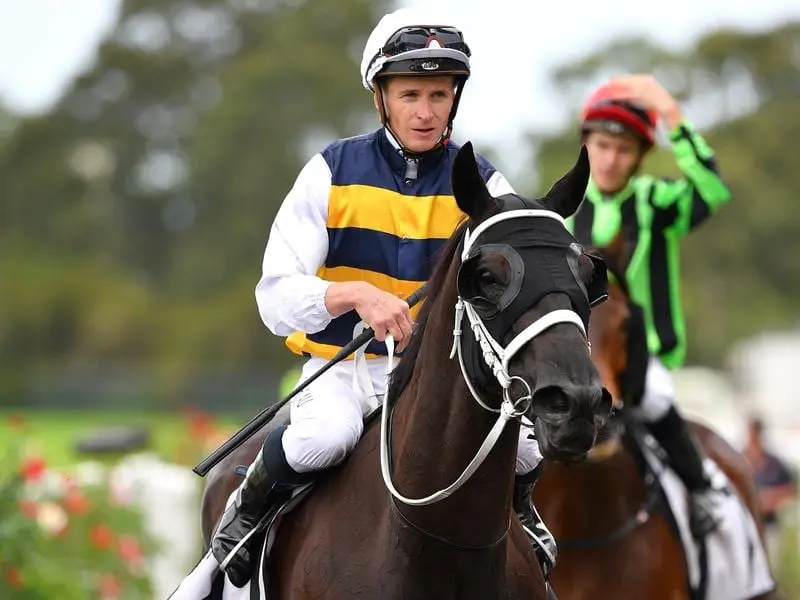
column 206, row 582
column 731, row 563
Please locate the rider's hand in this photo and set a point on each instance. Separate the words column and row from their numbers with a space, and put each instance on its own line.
column 647, row 91
column 385, row 313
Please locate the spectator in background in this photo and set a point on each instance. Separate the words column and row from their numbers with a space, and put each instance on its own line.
column 776, row 484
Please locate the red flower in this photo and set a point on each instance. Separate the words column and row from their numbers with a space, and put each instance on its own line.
column 109, row 587
column 33, row 468
column 13, row 578
column 200, row 423
column 101, row 536
column 76, row 502
column 29, row 508
column 129, row 549
column 16, row 421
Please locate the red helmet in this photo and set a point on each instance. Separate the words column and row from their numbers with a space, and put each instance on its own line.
column 603, row 111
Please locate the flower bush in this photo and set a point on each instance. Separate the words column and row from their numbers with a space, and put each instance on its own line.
column 64, row 538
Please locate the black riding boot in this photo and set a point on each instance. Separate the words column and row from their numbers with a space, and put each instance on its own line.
column 544, row 544
column 685, row 456
column 268, row 480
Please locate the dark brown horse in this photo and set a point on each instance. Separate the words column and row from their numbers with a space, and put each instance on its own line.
column 614, row 539
column 351, row 538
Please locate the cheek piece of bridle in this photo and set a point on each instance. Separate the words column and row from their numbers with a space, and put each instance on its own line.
column 551, row 242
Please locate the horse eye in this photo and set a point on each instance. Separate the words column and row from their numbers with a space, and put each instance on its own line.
column 486, row 277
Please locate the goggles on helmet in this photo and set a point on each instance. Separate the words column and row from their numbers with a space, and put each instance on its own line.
column 422, row 50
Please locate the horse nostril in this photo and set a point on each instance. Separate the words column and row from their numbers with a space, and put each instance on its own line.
column 551, row 399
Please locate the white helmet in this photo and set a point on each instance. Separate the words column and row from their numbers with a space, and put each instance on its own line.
column 412, row 42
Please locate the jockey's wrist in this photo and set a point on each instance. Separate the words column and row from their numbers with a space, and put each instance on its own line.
column 344, row 296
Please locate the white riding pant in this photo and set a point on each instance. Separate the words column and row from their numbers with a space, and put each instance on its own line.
column 659, row 392
column 327, row 419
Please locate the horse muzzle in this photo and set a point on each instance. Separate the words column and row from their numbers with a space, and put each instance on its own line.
column 567, row 420
column 562, row 443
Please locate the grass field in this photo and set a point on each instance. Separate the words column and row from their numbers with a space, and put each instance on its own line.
column 53, row 434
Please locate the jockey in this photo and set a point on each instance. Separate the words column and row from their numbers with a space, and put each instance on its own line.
column 360, row 229
column 618, row 126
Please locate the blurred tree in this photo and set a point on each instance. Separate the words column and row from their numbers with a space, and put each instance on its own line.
column 7, row 124
column 740, row 270
column 134, row 215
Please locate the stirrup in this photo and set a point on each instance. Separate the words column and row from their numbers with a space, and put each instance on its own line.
column 545, row 545
column 223, row 566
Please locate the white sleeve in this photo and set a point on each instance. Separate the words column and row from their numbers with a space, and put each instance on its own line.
column 498, row 185
column 290, row 296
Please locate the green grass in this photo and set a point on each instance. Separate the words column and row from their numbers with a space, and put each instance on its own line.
column 53, row 434
column 786, row 569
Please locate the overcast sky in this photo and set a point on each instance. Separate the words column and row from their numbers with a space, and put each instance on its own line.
column 45, row 43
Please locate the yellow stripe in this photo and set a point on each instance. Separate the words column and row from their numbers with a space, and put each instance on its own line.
column 298, row 343
column 416, row 217
column 397, row 287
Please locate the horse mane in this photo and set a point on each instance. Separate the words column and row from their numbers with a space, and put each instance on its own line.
column 401, row 375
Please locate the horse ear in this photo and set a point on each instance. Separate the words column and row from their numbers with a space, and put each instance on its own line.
column 567, row 193
column 469, row 189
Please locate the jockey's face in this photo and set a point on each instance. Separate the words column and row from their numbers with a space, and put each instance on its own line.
column 613, row 159
column 418, row 108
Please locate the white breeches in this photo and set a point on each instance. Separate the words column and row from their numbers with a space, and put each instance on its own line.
column 327, row 419
column 659, row 392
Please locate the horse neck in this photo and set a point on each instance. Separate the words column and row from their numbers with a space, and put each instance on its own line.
column 572, row 496
column 438, row 428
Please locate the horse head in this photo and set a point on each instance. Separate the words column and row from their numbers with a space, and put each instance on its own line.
column 526, row 288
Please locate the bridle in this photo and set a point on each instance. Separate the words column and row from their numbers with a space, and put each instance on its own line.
column 496, row 356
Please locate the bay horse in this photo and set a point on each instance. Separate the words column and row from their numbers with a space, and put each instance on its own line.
column 520, row 285
column 614, row 536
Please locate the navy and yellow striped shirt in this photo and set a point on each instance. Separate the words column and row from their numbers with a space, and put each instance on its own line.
column 385, row 225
